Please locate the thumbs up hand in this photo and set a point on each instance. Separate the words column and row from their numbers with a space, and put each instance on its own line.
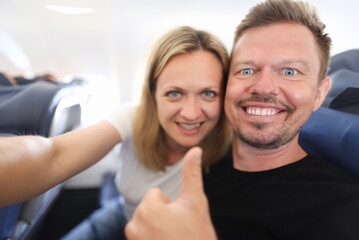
column 187, row 217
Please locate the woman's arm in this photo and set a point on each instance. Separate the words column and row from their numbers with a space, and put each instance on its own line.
column 30, row 165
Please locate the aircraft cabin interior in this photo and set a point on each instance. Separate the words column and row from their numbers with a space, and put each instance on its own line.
column 66, row 64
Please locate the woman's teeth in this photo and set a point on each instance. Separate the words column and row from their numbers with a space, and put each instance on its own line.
column 189, row 126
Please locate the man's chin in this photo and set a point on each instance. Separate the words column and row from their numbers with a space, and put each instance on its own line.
column 262, row 144
column 265, row 143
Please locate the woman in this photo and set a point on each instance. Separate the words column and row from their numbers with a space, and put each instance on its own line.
column 181, row 107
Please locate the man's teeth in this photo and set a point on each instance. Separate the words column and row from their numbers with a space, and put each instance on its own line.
column 261, row 112
column 189, row 126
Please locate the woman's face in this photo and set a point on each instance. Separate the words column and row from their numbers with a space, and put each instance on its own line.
column 189, row 98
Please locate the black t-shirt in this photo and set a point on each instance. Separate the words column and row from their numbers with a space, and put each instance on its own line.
column 308, row 199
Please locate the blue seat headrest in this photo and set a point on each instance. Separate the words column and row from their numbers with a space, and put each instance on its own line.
column 346, row 60
column 334, row 136
column 344, row 92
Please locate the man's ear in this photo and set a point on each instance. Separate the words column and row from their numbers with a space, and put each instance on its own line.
column 322, row 92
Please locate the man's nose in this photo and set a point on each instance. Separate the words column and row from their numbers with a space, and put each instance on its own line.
column 266, row 83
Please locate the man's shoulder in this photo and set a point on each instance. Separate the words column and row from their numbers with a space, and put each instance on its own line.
column 330, row 170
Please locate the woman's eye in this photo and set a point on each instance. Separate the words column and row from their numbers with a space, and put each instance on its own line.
column 209, row 94
column 290, row 72
column 174, row 94
column 246, row 71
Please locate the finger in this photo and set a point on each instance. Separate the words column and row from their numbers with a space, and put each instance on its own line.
column 131, row 231
column 192, row 183
column 151, row 204
column 155, row 196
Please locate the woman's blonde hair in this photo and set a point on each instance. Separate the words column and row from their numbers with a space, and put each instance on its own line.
column 148, row 135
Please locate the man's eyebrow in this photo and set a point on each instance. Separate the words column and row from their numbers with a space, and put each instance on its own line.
column 281, row 61
column 236, row 63
column 294, row 61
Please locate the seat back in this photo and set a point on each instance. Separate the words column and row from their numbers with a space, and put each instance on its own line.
column 8, row 218
column 4, row 81
column 346, row 60
column 30, row 109
column 344, row 93
column 334, row 136
column 40, row 108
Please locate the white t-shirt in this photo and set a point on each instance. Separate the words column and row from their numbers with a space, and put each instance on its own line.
column 133, row 179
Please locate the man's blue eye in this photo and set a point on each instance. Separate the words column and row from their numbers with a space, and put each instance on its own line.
column 247, row 71
column 208, row 94
column 290, row 72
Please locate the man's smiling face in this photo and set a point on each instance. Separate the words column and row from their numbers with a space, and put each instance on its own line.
column 273, row 84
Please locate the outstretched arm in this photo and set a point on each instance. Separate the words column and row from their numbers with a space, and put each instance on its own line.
column 30, row 165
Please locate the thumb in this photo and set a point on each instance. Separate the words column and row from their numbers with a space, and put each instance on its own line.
column 192, row 183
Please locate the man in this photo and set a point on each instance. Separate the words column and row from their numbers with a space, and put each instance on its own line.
column 267, row 187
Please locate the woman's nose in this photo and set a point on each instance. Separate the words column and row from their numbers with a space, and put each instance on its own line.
column 191, row 109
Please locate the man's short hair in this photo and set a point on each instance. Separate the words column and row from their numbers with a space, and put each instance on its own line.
column 287, row 11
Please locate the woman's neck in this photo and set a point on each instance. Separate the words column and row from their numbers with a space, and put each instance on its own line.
column 175, row 152
column 173, row 158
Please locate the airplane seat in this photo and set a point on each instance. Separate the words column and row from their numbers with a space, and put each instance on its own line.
column 346, row 60
column 4, row 81
column 40, row 108
column 8, row 218
column 344, row 92
column 334, row 136
column 332, row 132
column 108, row 188
column 22, row 81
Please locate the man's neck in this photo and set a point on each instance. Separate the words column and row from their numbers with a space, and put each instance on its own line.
column 250, row 159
